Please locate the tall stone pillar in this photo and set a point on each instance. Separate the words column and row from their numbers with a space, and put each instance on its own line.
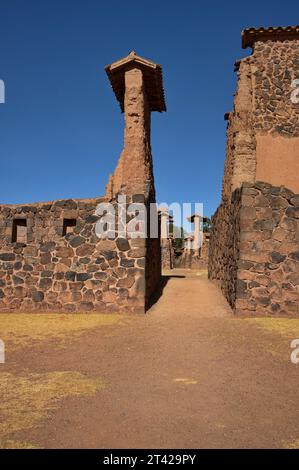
column 196, row 219
column 138, row 86
column 164, row 214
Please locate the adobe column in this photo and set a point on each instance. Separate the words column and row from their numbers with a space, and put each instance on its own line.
column 197, row 238
column 197, row 234
column 137, row 84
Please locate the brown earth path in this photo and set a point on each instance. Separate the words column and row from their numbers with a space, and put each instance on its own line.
column 186, row 375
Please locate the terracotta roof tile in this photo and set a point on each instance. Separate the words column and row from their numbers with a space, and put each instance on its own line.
column 279, row 33
column 152, row 77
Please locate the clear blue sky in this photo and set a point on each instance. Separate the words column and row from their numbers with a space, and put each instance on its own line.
column 61, row 129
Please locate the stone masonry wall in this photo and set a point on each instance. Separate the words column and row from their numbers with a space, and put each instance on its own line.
column 224, row 246
column 274, row 65
column 167, row 253
column 275, row 115
column 262, row 145
column 57, row 262
column 254, row 254
column 76, row 271
column 268, row 266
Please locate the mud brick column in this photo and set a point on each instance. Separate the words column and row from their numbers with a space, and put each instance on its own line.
column 137, row 84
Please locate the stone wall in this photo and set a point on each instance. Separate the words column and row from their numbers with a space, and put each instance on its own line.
column 195, row 258
column 268, row 266
column 50, row 256
column 254, row 253
column 74, row 271
column 274, row 66
column 167, row 253
column 224, row 246
column 254, row 242
column 275, row 115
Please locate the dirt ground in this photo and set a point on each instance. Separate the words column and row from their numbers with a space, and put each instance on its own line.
column 186, row 375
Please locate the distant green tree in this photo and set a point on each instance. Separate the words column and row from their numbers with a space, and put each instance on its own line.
column 207, row 224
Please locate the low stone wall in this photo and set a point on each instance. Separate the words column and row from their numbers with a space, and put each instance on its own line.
column 195, row 259
column 189, row 260
column 56, row 270
column 167, row 253
column 254, row 250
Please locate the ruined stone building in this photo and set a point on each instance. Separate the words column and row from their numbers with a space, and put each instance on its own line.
column 192, row 258
column 50, row 255
column 254, row 247
column 194, row 252
column 196, row 245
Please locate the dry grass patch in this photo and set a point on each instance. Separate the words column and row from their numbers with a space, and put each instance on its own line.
column 20, row 330
column 278, row 334
column 10, row 444
column 286, row 327
column 291, row 445
column 28, row 399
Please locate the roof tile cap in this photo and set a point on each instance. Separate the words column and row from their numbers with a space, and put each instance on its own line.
column 153, row 79
column 272, row 33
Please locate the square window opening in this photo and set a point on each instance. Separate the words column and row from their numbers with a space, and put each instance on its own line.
column 68, row 226
column 19, row 231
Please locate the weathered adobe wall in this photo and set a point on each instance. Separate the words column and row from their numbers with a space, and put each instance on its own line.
column 254, row 251
column 240, row 162
column 229, row 160
column 268, row 266
column 134, row 171
column 263, row 128
column 75, row 272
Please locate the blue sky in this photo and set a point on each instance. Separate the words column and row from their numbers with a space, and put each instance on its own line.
column 61, row 130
